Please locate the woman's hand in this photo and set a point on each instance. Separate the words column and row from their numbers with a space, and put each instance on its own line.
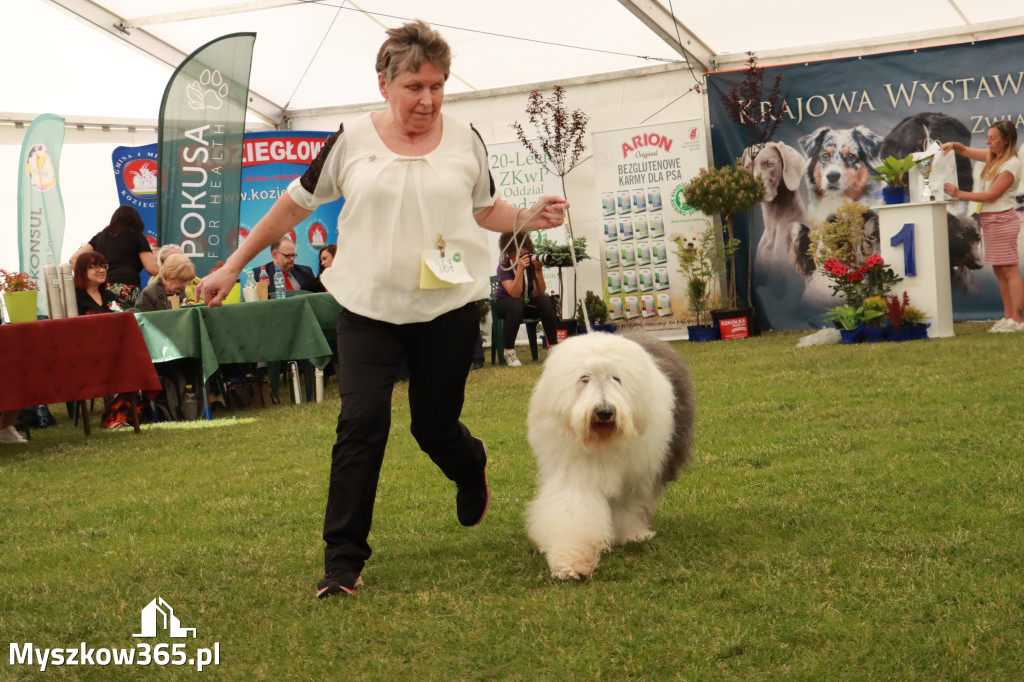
column 551, row 215
column 951, row 189
column 523, row 262
column 215, row 286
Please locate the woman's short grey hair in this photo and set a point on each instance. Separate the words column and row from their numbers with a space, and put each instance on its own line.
column 165, row 251
column 411, row 45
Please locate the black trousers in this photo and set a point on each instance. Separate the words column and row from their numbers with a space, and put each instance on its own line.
column 370, row 352
column 513, row 310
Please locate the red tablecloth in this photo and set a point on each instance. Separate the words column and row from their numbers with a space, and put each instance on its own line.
column 56, row 361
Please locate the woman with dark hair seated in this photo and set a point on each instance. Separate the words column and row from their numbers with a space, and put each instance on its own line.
column 91, row 290
column 124, row 245
column 327, row 255
column 520, row 292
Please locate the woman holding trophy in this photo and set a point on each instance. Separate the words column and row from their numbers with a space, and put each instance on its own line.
column 997, row 215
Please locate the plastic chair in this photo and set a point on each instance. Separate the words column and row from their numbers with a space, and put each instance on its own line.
column 498, row 330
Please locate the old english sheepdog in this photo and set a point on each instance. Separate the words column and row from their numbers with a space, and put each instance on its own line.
column 611, row 423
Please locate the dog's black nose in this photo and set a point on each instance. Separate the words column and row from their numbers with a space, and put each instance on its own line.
column 833, row 177
column 605, row 413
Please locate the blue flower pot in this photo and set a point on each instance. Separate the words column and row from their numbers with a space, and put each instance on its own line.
column 702, row 332
column 852, row 335
column 874, row 334
column 894, row 195
column 919, row 331
column 898, row 333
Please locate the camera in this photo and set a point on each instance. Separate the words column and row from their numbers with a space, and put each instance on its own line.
column 545, row 259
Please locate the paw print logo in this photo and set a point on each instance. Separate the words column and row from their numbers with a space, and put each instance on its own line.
column 457, row 257
column 208, row 92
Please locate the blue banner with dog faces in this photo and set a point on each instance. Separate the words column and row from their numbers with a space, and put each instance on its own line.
column 840, row 118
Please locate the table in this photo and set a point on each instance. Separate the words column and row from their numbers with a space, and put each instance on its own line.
column 73, row 360
column 292, row 328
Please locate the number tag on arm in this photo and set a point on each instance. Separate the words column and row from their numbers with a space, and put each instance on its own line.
column 442, row 271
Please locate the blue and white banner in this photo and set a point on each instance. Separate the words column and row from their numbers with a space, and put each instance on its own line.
column 841, row 117
column 40, row 206
column 135, row 176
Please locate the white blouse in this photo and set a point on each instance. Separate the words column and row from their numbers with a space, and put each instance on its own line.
column 1008, row 198
column 395, row 208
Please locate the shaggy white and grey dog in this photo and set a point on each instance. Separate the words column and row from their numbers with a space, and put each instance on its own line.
column 611, row 423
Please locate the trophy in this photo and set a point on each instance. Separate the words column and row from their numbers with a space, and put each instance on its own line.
column 925, row 166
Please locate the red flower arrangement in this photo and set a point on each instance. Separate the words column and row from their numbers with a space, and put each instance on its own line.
column 16, row 281
column 860, row 281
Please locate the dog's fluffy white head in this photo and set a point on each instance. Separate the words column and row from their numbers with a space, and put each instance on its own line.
column 596, row 387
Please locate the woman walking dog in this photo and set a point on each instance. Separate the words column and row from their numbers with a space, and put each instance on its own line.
column 414, row 182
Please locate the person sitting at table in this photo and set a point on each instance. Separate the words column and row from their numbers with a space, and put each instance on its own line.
column 326, row 260
column 189, row 293
column 90, row 277
column 124, row 245
column 295, row 276
column 175, row 273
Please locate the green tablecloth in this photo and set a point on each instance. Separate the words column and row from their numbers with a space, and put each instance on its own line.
column 294, row 328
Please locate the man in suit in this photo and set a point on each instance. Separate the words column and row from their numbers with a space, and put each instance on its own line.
column 295, row 276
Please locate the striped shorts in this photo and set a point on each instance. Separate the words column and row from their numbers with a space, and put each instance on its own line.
column 999, row 235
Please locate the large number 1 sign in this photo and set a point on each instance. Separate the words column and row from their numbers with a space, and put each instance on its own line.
column 915, row 243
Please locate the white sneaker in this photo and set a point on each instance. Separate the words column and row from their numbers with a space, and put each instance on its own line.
column 1012, row 326
column 11, row 435
column 1001, row 325
column 510, row 358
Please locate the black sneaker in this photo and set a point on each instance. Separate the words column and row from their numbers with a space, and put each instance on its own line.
column 472, row 497
column 333, row 583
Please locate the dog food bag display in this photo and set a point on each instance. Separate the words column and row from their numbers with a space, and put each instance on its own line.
column 615, row 308
column 611, row 257
column 640, row 227
column 646, row 281
column 625, row 228
column 623, row 202
column 614, row 282
column 639, row 200
column 664, row 305
column 628, row 255
column 632, row 307
column 659, row 253
column 611, row 230
column 647, row 305
column 657, row 225
column 653, row 198
column 607, row 203
column 629, row 281
column 661, row 279
column 643, row 254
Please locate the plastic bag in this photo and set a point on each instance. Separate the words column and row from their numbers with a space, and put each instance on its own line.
column 943, row 171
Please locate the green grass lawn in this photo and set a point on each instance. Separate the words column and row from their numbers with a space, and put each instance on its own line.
column 852, row 512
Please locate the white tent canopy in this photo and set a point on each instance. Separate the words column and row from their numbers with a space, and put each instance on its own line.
column 112, row 58
column 103, row 65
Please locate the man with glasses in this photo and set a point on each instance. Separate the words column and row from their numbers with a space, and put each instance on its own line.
column 295, row 276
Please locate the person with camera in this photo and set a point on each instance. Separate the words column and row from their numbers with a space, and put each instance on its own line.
column 521, row 292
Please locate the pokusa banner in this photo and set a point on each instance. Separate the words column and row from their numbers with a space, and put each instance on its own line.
column 840, row 118
column 270, row 160
column 40, row 206
column 640, row 175
column 202, row 122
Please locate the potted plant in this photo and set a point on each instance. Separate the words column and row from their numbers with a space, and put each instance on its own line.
column 894, row 172
column 700, row 262
column 917, row 320
column 724, row 192
column 851, row 321
column 895, row 307
column 554, row 255
column 597, row 312
column 20, row 296
column 874, row 329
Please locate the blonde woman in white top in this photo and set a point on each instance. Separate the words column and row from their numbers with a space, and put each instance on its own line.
column 414, row 181
column 997, row 216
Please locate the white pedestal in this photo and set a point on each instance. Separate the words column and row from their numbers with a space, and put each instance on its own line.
column 930, row 288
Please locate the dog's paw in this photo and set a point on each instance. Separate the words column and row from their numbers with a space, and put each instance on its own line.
column 638, row 536
column 578, row 568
